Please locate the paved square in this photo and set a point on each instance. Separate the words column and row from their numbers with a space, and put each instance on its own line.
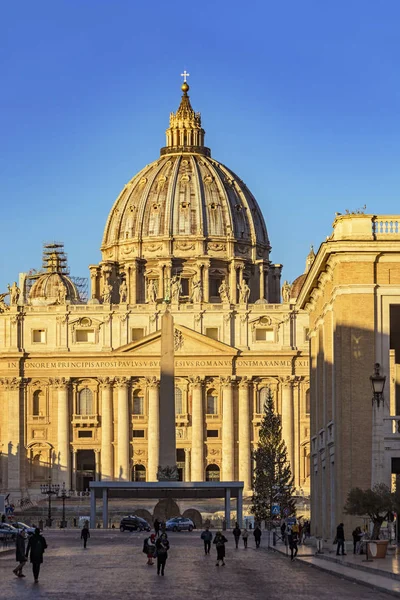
column 114, row 567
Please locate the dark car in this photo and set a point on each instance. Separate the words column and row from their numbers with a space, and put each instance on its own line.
column 179, row 524
column 134, row 523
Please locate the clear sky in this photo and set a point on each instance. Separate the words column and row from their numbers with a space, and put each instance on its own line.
column 300, row 98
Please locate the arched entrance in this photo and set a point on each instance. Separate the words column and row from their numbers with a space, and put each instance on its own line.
column 213, row 472
column 139, row 473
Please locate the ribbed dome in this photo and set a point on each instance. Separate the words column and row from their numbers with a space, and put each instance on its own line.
column 184, row 195
column 53, row 288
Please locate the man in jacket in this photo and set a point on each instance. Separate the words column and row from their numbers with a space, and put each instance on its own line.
column 85, row 534
column 20, row 552
column 207, row 537
column 257, row 535
column 162, row 547
column 340, row 539
column 36, row 547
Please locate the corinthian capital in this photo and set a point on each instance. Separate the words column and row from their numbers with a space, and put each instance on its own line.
column 226, row 381
column 105, row 382
column 12, row 383
column 195, row 382
column 121, row 382
column 152, row 382
column 59, row 382
column 244, row 382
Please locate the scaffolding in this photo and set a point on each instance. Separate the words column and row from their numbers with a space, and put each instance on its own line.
column 55, row 260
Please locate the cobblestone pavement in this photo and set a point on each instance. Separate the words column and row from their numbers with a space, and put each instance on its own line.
column 113, row 567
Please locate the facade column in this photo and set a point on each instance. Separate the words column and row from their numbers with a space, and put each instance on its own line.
column 228, row 507
column 206, row 282
column 107, row 451
column 74, row 466
column 153, row 430
column 16, row 448
column 187, row 464
column 97, row 464
column 105, row 508
column 262, row 280
column 244, row 435
column 63, row 425
column 228, row 441
column 94, row 290
column 124, row 426
column 197, row 472
column 232, row 282
column 287, row 417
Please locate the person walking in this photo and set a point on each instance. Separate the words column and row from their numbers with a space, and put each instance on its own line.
column 162, row 547
column 340, row 539
column 149, row 548
column 157, row 527
column 207, row 537
column 245, row 537
column 36, row 547
column 293, row 539
column 257, row 535
column 236, row 534
column 20, row 553
column 220, row 541
column 357, row 536
column 85, row 534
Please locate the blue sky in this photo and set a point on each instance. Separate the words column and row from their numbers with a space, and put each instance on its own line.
column 300, row 99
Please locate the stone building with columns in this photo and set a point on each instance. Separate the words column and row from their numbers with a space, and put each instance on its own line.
column 79, row 381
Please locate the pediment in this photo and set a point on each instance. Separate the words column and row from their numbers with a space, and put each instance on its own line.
column 187, row 343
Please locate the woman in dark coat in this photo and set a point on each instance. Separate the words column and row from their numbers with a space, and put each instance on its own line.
column 20, row 553
column 36, row 546
column 85, row 534
column 220, row 541
column 257, row 536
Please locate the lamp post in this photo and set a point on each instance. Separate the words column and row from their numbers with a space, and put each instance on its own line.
column 49, row 489
column 63, row 494
column 378, row 384
column 378, row 447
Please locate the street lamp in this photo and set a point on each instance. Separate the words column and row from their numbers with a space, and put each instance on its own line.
column 49, row 489
column 63, row 494
column 377, row 383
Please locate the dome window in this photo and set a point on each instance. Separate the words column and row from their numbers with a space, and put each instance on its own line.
column 185, row 204
column 238, row 207
column 213, row 206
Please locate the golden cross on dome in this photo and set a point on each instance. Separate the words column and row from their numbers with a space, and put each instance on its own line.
column 185, row 75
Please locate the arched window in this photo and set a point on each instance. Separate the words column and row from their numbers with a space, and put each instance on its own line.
column 212, row 473
column 38, row 403
column 262, row 396
column 138, row 403
column 139, row 473
column 308, row 403
column 178, row 401
column 212, row 402
column 85, row 402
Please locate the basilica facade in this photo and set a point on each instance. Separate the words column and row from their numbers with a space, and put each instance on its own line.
column 79, row 379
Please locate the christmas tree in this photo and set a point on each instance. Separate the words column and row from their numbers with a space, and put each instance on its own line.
column 273, row 482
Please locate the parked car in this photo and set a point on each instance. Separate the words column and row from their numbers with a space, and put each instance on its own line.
column 134, row 523
column 30, row 530
column 179, row 524
column 7, row 531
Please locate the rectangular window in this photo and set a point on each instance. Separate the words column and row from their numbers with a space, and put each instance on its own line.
column 214, row 286
column 264, row 335
column 84, row 335
column 39, row 336
column 212, row 433
column 85, row 434
column 137, row 333
column 212, row 332
column 138, row 433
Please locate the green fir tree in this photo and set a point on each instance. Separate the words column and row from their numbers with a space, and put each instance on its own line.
column 273, row 482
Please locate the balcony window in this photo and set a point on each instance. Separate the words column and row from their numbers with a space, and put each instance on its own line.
column 212, row 402
column 85, row 402
column 178, row 401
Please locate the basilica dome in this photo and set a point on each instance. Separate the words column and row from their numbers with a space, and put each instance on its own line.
column 185, row 195
column 186, row 215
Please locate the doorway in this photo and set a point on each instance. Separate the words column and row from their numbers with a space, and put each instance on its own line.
column 85, row 469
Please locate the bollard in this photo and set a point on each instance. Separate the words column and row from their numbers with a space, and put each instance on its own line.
column 274, row 538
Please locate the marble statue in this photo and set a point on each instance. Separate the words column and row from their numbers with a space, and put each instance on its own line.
column 62, row 293
column 197, row 291
column 286, row 289
column 151, row 291
column 223, row 291
column 123, row 291
column 3, row 306
column 244, row 292
column 15, row 293
column 106, row 295
column 176, row 288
